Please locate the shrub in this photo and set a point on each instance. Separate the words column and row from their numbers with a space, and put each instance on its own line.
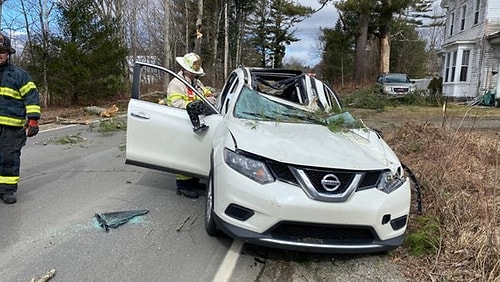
column 371, row 98
column 426, row 240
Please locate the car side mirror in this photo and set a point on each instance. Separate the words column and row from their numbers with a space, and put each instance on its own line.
column 194, row 110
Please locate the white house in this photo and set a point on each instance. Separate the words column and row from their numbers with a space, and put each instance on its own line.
column 471, row 48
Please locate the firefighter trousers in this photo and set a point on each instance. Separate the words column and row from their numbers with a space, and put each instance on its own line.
column 12, row 139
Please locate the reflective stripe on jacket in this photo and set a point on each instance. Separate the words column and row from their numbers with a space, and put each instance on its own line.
column 179, row 95
column 19, row 97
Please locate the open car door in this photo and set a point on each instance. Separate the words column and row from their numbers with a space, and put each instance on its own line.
column 162, row 137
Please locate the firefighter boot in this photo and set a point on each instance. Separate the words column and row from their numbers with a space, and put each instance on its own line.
column 9, row 198
column 183, row 188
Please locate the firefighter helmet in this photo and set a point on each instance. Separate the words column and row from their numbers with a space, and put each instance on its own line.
column 191, row 62
column 5, row 44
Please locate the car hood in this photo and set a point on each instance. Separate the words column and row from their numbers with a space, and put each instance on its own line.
column 313, row 145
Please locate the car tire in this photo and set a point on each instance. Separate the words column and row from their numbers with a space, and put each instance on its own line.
column 210, row 225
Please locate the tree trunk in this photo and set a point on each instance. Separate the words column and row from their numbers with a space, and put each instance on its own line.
column 199, row 33
column 43, row 17
column 219, row 14
column 166, row 35
column 226, row 39
column 133, row 30
column 361, row 61
column 1, row 5
column 385, row 50
column 385, row 35
column 186, row 9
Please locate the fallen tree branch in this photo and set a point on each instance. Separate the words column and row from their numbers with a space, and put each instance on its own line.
column 49, row 275
column 72, row 121
column 182, row 224
column 103, row 112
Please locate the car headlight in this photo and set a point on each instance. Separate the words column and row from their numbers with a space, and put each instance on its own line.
column 251, row 168
column 391, row 181
column 387, row 88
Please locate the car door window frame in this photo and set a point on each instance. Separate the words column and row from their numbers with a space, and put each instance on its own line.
column 136, row 84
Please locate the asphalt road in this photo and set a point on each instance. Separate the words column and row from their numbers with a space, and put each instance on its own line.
column 53, row 225
column 69, row 174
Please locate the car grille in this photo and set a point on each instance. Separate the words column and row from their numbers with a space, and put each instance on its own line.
column 315, row 177
column 310, row 179
column 324, row 234
column 400, row 89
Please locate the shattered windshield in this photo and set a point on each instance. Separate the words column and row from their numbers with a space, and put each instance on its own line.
column 254, row 105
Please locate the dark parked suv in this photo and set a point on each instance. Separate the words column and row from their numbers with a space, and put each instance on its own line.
column 395, row 84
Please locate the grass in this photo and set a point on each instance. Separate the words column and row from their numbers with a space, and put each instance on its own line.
column 70, row 139
column 370, row 98
column 459, row 175
column 111, row 125
column 426, row 239
column 458, row 167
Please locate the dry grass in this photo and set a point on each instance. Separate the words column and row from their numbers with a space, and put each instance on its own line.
column 459, row 171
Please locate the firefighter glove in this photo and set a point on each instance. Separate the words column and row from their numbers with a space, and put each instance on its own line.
column 32, row 128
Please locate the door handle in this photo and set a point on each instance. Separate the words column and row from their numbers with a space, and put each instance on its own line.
column 140, row 115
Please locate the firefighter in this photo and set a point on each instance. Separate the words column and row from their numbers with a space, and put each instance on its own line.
column 179, row 95
column 19, row 114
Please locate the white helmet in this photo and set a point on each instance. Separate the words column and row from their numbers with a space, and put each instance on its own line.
column 191, row 62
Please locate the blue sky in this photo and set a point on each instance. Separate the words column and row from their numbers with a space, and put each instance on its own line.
column 307, row 51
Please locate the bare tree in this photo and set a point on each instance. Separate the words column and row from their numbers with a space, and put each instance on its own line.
column 37, row 16
column 226, row 39
column 167, row 34
column 199, row 30
column 1, row 6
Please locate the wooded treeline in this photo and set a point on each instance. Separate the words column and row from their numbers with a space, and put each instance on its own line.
column 80, row 51
column 373, row 37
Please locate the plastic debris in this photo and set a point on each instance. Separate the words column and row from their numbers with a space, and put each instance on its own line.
column 115, row 219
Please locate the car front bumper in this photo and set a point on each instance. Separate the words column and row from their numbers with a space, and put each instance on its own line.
column 281, row 215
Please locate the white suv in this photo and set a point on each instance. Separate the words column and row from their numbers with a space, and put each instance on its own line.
column 286, row 166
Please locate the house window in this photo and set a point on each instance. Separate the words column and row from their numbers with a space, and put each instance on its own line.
column 476, row 12
column 452, row 20
column 447, row 69
column 453, row 65
column 462, row 20
column 465, row 65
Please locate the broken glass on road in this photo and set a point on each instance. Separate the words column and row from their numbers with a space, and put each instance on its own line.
column 115, row 219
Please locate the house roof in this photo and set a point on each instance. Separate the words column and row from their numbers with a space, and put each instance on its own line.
column 494, row 38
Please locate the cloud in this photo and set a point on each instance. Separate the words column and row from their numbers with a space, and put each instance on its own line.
column 307, row 50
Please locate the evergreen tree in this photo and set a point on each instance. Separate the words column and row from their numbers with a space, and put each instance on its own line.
column 408, row 50
column 87, row 60
column 338, row 53
column 272, row 29
column 381, row 14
